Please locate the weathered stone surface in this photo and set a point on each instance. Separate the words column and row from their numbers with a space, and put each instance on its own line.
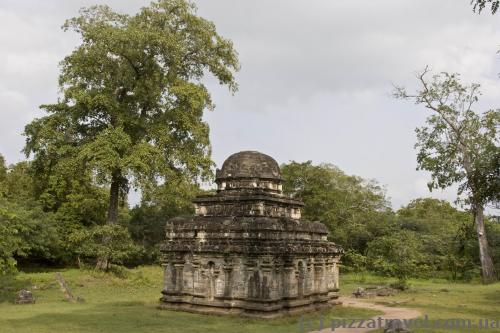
column 249, row 164
column 247, row 251
column 25, row 297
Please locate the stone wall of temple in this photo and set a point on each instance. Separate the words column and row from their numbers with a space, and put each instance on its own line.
column 249, row 208
column 264, row 286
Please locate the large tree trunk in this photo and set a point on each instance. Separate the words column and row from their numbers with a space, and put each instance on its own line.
column 114, row 197
column 112, row 218
column 487, row 267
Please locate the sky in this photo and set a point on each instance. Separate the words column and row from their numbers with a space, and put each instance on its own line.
column 315, row 81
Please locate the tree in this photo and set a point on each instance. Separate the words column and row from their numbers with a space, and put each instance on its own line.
column 133, row 99
column 147, row 221
column 10, row 241
column 458, row 145
column 88, row 243
column 431, row 216
column 30, row 231
column 445, row 236
column 479, row 5
column 355, row 209
column 18, row 183
column 397, row 254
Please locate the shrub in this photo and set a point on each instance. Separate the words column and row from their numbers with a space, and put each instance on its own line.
column 104, row 241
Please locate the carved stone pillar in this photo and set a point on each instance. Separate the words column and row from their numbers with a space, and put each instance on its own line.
column 336, row 276
column 318, row 277
column 311, row 277
column 267, row 279
column 289, row 282
column 177, row 275
column 228, row 278
column 167, row 271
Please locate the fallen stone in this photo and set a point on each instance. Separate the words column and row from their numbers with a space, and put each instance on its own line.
column 25, row 297
column 68, row 295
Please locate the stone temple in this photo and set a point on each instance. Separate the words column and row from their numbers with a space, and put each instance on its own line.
column 247, row 251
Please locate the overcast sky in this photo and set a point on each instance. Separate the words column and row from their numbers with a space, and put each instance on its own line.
column 315, row 80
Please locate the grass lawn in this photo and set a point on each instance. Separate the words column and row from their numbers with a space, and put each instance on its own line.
column 128, row 304
column 439, row 300
column 123, row 305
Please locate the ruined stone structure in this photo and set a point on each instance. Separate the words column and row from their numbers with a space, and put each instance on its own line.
column 247, row 251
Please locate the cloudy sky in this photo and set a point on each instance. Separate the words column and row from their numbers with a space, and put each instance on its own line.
column 315, row 80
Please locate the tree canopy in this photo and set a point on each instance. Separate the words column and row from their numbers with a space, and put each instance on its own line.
column 355, row 209
column 133, row 98
column 459, row 146
column 133, row 101
column 426, row 237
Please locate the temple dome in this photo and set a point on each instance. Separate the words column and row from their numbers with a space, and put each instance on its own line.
column 249, row 164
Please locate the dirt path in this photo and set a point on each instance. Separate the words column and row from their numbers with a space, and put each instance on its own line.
column 389, row 312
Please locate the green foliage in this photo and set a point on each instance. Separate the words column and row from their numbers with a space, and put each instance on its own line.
column 460, row 146
column 457, row 145
column 17, row 183
column 147, row 221
column 353, row 208
column 353, row 261
column 321, row 185
column 9, row 242
column 117, row 247
column 132, row 108
column 44, row 227
column 439, row 227
column 398, row 254
column 26, row 231
column 424, row 238
column 85, row 207
column 493, row 231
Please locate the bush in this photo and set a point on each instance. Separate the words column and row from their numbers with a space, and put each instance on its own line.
column 104, row 241
column 26, row 231
column 395, row 255
column 353, row 261
column 9, row 243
